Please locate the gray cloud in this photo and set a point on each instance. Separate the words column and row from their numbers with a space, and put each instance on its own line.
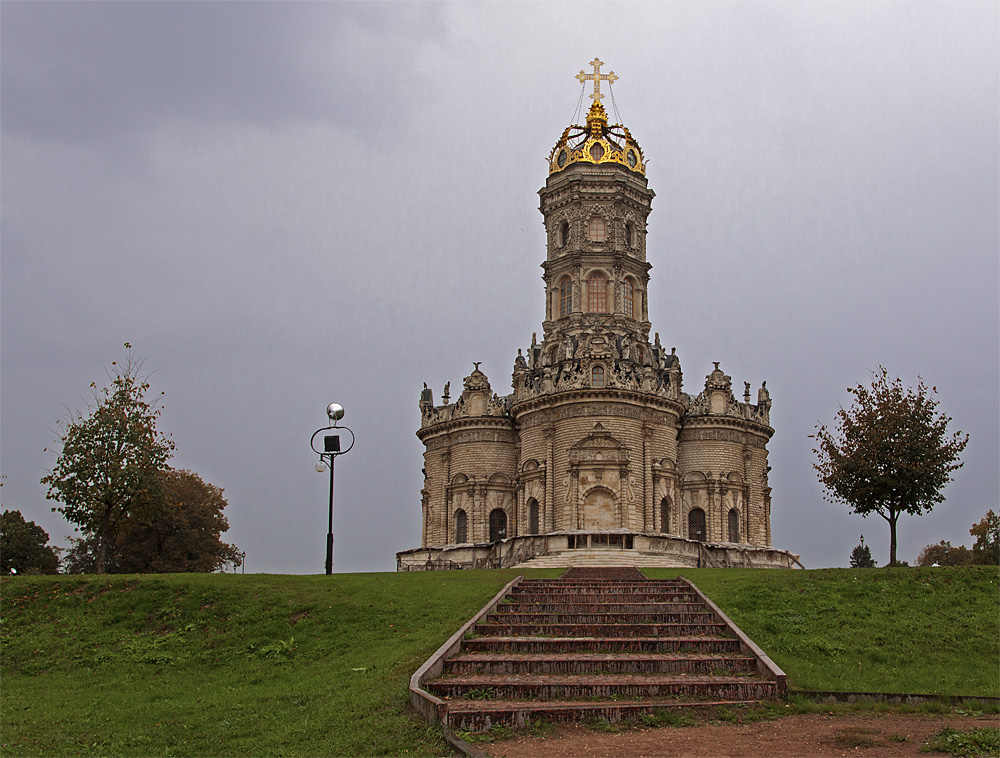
column 282, row 205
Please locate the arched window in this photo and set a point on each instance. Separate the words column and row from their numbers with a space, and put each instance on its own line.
column 665, row 516
column 696, row 525
column 597, row 376
column 565, row 297
column 597, row 230
column 597, row 294
column 629, row 299
column 532, row 516
column 461, row 528
column 630, row 238
column 734, row 525
column 498, row 525
column 564, row 234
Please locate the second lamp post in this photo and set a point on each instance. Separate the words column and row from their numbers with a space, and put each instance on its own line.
column 332, row 447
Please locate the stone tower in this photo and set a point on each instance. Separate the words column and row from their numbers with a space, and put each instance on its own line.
column 597, row 447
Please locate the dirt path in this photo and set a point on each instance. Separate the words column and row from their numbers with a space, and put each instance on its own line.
column 804, row 736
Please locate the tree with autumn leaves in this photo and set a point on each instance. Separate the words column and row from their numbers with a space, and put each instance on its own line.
column 112, row 482
column 890, row 453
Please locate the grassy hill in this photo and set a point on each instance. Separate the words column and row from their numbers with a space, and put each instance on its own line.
column 315, row 665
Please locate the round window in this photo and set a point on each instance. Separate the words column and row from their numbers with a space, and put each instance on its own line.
column 632, row 159
column 561, row 160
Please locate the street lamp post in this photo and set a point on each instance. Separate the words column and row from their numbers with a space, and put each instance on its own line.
column 331, row 449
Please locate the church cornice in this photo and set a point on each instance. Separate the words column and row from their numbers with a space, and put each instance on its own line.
column 499, row 423
column 726, row 422
column 556, row 198
column 593, row 395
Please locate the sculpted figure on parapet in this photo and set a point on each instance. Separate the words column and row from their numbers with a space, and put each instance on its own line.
column 648, row 370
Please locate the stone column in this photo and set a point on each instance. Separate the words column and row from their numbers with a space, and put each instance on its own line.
column 573, row 501
column 648, row 483
column 623, row 502
column 549, row 514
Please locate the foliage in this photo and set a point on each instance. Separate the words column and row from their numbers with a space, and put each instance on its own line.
column 943, row 554
column 24, row 546
column 890, row 453
column 987, row 534
column 861, row 556
column 178, row 531
column 81, row 558
column 984, row 740
column 111, row 458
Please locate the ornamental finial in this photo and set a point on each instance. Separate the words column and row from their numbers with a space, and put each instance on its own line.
column 596, row 77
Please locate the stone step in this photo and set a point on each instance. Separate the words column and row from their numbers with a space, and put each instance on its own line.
column 619, row 573
column 643, row 618
column 483, row 715
column 594, row 647
column 666, row 586
column 498, row 664
column 585, row 606
column 558, row 596
column 602, row 630
column 569, row 686
column 583, row 558
column 615, row 586
column 574, row 645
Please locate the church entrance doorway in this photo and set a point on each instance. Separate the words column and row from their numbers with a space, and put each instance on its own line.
column 498, row 525
column 599, row 510
column 532, row 516
column 696, row 525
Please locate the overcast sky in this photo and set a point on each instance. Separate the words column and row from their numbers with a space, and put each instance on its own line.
column 282, row 205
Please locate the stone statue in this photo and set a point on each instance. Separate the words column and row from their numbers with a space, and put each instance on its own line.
column 519, row 362
column 762, row 394
column 567, row 348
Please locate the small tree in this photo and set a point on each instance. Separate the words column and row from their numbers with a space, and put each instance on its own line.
column 987, row 534
column 943, row 554
column 180, row 533
column 111, row 458
column 890, row 453
column 24, row 546
column 861, row 556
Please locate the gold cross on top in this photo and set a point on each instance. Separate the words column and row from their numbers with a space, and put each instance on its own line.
column 596, row 77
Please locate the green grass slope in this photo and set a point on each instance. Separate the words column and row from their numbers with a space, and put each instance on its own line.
column 932, row 631
column 226, row 665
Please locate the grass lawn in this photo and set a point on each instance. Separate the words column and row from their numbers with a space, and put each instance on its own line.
column 223, row 664
column 227, row 665
column 933, row 631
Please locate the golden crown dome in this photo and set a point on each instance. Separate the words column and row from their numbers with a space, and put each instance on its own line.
column 598, row 141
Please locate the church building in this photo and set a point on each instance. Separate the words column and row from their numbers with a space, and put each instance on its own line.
column 597, row 456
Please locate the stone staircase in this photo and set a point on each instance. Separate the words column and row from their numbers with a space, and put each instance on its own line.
column 595, row 643
column 596, row 558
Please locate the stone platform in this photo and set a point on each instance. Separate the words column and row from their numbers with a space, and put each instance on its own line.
column 586, row 548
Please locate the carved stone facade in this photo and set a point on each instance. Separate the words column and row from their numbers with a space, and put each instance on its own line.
column 597, row 435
